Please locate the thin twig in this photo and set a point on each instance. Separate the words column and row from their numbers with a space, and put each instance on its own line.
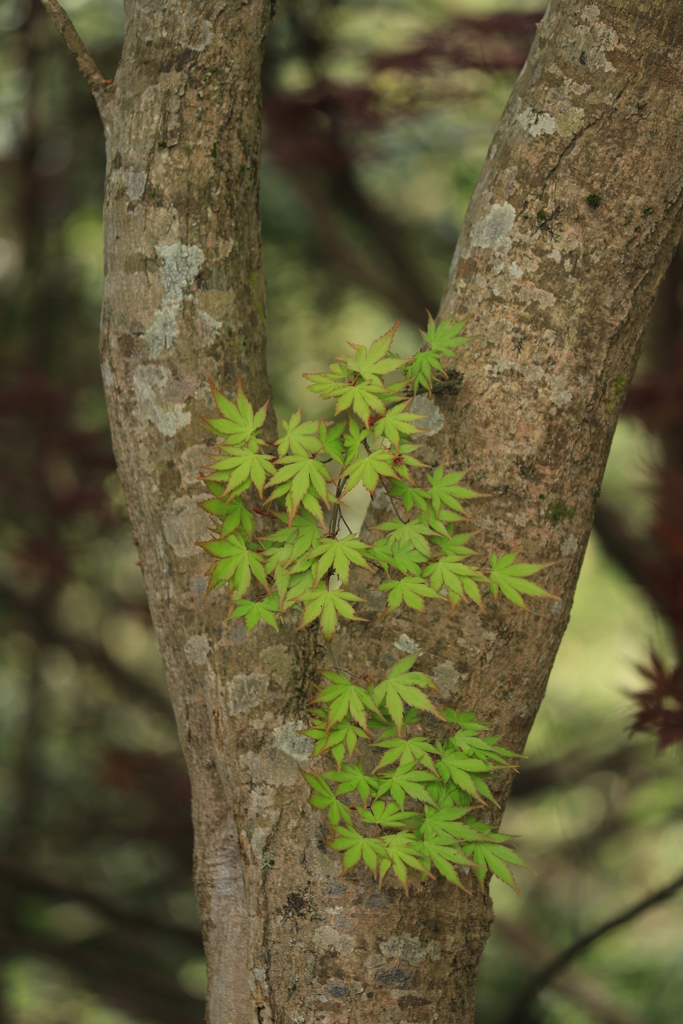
column 341, row 484
column 393, row 503
column 335, row 664
column 341, row 516
column 384, row 485
column 518, row 1013
column 84, row 59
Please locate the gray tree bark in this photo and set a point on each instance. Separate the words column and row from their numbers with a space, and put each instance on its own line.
column 573, row 222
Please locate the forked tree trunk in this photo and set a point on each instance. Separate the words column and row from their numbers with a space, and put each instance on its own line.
column 573, row 222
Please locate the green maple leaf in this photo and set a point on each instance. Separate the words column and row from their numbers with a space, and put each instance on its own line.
column 234, row 564
column 331, row 439
column 375, row 362
column 510, row 577
column 300, row 438
column 382, row 552
column 238, row 423
column 455, row 545
column 293, row 543
column 355, row 847
column 239, row 518
column 216, row 489
column 284, row 581
column 445, row 338
column 369, row 469
column 444, row 852
column 389, row 815
column 492, row 857
column 468, row 720
column 413, row 532
column 409, row 495
column 406, row 780
column 446, row 821
column 404, row 851
column 351, row 777
column 444, row 490
column 254, row 612
column 485, row 746
column 345, row 698
column 353, row 442
column 311, row 503
column 462, row 769
column 232, row 515
column 447, row 794
column 389, row 730
column 406, row 559
column 396, row 422
column 341, row 737
column 296, row 475
column 411, row 750
column 325, row 384
column 458, row 578
column 324, row 799
column 446, row 516
column 327, row 605
column 440, row 342
column 292, row 586
column 430, row 518
column 363, row 396
column 279, row 555
column 332, row 553
column 420, row 370
column 243, row 465
column 401, row 687
column 411, row 590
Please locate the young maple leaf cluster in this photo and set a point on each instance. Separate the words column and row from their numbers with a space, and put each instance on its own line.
column 416, row 805
column 302, row 561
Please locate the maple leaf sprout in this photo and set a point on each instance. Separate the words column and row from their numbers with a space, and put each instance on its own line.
column 428, row 765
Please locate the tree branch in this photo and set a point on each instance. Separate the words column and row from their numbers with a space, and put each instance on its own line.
column 140, row 988
column 84, row 59
column 518, row 1013
column 27, row 878
column 577, row 984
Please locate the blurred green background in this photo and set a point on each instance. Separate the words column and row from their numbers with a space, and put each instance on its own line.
column 377, row 117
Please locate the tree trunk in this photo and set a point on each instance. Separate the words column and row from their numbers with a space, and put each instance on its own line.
column 184, row 301
column 572, row 224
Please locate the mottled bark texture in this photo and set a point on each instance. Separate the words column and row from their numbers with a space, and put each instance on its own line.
column 184, row 301
column 571, row 227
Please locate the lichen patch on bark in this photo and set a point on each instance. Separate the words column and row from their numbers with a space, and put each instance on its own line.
column 245, row 691
column 410, row 948
column 492, row 232
column 184, row 525
column 433, row 417
column 406, row 644
column 149, row 386
column 536, row 123
column 289, row 740
column 197, row 649
column 180, row 265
